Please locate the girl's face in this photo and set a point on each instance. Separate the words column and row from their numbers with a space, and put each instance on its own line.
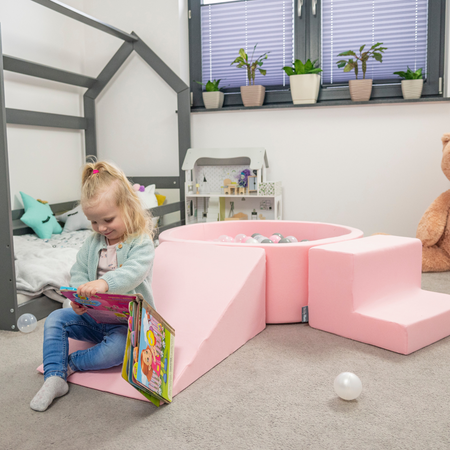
column 106, row 217
column 147, row 356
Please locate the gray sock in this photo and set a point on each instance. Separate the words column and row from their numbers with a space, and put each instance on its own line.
column 53, row 387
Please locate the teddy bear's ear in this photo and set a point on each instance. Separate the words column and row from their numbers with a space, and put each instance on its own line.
column 445, row 139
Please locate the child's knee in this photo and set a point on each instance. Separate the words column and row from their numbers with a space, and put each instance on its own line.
column 115, row 345
column 59, row 317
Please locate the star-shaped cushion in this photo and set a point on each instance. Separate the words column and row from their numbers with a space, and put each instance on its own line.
column 39, row 217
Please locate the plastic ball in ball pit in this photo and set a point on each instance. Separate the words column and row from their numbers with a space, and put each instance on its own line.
column 239, row 237
column 284, row 241
column 266, row 241
column 255, row 234
column 251, row 241
column 347, row 386
column 260, row 238
column 278, row 234
column 275, row 238
column 225, row 238
column 26, row 323
column 292, row 238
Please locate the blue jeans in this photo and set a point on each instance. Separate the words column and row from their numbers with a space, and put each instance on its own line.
column 63, row 324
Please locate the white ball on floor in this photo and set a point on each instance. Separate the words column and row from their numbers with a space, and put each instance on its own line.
column 347, row 385
column 26, row 323
column 67, row 303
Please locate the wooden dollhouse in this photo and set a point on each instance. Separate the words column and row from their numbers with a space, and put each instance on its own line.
column 230, row 184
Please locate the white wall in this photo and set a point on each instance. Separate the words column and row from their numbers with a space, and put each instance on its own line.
column 136, row 113
column 44, row 163
column 376, row 168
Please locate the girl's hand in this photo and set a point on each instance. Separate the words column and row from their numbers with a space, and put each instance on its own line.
column 79, row 309
column 91, row 288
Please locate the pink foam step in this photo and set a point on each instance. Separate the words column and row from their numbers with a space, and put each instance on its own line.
column 213, row 296
column 369, row 290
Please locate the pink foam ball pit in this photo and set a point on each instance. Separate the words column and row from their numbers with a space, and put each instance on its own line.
column 286, row 265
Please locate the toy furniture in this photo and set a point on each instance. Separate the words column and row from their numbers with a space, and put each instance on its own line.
column 287, row 264
column 230, row 189
column 369, row 290
column 212, row 316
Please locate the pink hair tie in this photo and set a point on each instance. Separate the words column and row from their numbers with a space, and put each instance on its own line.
column 95, row 171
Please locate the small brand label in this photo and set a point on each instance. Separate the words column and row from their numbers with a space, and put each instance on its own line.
column 305, row 315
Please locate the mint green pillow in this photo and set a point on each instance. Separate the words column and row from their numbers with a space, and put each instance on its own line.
column 39, row 217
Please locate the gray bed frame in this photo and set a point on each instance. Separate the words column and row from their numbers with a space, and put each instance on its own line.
column 10, row 223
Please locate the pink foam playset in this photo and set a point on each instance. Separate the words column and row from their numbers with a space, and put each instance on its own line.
column 218, row 295
column 287, row 264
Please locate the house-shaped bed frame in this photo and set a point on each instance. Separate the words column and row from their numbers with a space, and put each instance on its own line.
column 10, row 223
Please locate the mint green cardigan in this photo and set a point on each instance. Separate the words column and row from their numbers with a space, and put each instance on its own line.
column 134, row 266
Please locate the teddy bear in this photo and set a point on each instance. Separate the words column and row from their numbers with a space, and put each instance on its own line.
column 434, row 226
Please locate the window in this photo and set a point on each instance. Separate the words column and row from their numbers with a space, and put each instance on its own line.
column 412, row 30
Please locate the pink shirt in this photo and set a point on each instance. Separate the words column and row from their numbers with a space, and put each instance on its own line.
column 107, row 260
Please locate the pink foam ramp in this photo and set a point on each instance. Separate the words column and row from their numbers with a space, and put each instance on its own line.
column 369, row 290
column 214, row 297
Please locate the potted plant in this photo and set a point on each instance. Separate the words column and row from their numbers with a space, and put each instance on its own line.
column 304, row 80
column 252, row 95
column 212, row 96
column 412, row 84
column 360, row 90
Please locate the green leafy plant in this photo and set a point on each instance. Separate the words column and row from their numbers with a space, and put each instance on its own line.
column 352, row 64
column 302, row 69
column 410, row 75
column 211, row 86
column 252, row 66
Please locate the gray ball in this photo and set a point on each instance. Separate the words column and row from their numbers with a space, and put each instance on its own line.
column 267, row 241
column 284, row 241
column 277, row 234
column 256, row 234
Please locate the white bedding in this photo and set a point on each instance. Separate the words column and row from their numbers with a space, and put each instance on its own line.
column 43, row 265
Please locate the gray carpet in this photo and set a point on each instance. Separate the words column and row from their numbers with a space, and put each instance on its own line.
column 276, row 392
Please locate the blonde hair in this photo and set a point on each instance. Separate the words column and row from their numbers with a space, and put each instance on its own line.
column 138, row 221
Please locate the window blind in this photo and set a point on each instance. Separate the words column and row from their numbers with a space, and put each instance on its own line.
column 401, row 25
column 230, row 25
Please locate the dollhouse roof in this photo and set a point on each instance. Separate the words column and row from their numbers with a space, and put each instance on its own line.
column 255, row 157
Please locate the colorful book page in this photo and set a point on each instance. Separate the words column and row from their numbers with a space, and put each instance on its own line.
column 104, row 308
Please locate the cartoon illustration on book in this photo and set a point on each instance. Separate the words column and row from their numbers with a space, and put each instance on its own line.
column 152, row 363
column 149, row 353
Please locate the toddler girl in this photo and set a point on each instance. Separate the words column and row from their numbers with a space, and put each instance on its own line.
column 116, row 258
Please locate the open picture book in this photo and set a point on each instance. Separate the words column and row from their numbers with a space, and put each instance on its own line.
column 149, row 352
